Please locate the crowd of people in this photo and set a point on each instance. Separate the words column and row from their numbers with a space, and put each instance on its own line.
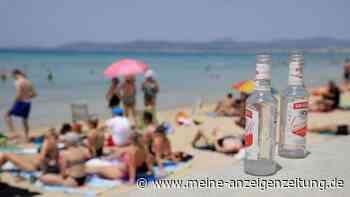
column 126, row 93
column 63, row 155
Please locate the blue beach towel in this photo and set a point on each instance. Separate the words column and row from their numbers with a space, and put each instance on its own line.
column 94, row 182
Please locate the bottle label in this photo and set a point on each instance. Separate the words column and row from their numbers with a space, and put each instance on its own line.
column 251, row 134
column 295, row 73
column 296, row 122
column 262, row 71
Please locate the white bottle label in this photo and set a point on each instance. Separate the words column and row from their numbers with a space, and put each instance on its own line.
column 296, row 122
column 252, row 134
column 295, row 73
column 262, row 71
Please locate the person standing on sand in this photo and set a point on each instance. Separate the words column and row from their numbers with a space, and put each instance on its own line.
column 114, row 94
column 129, row 97
column 347, row 70
column 150, row 88
column 25, row 92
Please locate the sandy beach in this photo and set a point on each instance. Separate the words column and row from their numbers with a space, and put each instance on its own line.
column 203, row 160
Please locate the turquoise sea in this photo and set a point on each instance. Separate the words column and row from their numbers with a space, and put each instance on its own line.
column 184, row 78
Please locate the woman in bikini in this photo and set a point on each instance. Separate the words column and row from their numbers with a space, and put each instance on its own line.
column 129, row 97
column 46, row 160
column 113, row 95
column 71, row 162
column 160, row 148
column 134, row 158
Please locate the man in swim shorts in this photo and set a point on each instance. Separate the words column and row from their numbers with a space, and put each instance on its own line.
column 25, row 92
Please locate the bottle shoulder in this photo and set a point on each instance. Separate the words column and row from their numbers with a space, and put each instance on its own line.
column 298, row 91
column 260, row 97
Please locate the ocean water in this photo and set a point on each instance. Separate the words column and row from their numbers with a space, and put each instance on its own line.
column 184, row 78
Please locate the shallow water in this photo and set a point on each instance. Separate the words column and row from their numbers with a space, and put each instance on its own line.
column 184, row 78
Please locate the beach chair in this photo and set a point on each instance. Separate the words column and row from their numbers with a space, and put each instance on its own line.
column 80, row 112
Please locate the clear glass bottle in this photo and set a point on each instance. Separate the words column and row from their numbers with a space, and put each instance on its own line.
column 294, row 111
column 260, row 136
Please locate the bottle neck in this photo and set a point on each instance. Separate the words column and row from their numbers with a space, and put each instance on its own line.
column 296, row 74
column 263, row 85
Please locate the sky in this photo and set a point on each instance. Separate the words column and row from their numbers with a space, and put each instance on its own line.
column 55, row 22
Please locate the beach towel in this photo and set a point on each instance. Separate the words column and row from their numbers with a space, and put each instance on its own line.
column 96, row 185
column 169, row 167
column 18, row 150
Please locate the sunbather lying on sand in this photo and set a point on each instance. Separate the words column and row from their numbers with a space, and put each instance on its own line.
column 46, row 160
column 226, row 144
column 71, row 162
column 329, row 99
column 227, row 107
column 341, row 129
column 134, row 158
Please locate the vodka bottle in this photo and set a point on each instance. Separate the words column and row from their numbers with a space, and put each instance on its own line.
column 260, row 136
column 294, row 111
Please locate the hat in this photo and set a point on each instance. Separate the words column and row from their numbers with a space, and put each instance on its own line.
column 117, row 111
column 71, row 137
column 149, row 74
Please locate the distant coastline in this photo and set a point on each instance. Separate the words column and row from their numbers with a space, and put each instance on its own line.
column 319, row 44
